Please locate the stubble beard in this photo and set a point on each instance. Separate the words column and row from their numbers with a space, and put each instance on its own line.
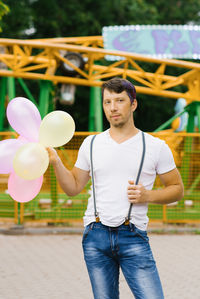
column 119, row 124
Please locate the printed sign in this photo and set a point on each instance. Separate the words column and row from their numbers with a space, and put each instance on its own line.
column 161, row 41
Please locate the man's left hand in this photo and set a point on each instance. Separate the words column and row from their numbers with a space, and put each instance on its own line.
column 137, row 193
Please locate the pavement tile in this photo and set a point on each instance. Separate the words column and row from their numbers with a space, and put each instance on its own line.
column 52, row 267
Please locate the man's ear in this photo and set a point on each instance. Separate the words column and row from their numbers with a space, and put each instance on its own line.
column 134, row 105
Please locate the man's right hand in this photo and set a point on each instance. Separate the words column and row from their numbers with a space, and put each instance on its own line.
column 53, row 156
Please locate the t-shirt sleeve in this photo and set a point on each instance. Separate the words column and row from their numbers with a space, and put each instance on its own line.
column 83, row 161
column 165, row 160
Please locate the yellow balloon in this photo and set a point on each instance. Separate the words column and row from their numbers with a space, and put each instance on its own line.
column 56, row 129
column 31, row 161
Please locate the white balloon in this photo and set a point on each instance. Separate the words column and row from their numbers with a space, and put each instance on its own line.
column 56, row 129
column 31, row 161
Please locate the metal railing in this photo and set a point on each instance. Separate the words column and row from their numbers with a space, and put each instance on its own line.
column 52, row 205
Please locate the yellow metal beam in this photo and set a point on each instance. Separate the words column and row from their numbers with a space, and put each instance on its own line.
column 40, row 59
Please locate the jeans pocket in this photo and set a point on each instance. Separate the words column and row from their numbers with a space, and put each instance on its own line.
column 142, row 234
column 86, row 231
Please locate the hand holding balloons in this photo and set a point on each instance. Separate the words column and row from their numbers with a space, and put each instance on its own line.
column 53, row 156
column 26, row 158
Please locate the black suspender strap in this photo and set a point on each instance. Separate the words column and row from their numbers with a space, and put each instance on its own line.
column 92, row 174
column 138, row 176
column 136, row 182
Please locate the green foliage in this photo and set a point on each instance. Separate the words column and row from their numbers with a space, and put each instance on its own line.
column 177, row 12
column 55, row 18
column 58, row 18
column 4, row 9
column 17, row 20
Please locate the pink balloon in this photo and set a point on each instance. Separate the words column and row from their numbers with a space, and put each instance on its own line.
column 23, row 190
column 23, row 139
column 24, row 118
column 8, row 149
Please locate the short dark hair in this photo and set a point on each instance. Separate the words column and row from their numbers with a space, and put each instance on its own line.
column 119, row 85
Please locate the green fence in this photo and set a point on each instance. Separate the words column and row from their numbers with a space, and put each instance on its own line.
column 53, row 206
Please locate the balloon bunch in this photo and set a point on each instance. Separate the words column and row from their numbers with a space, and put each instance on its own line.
column 26, row 158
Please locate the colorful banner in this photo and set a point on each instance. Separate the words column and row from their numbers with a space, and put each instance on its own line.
column 161, row 41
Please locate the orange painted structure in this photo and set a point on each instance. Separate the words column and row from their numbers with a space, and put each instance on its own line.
column 42, row 60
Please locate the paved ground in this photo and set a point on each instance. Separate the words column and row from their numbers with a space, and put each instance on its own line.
column 52, row 267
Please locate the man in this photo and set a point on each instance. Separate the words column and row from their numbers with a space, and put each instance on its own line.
column 123, row 163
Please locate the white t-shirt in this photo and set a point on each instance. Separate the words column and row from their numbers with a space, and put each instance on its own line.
column 114, row 165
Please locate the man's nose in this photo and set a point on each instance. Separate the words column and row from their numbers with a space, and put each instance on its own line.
column 113, row 106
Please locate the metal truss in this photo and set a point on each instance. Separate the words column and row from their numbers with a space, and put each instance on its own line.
column 41, row 59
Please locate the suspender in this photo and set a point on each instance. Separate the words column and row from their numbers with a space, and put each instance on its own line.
column 127, row 219
column 92, row 173
column 138, row 176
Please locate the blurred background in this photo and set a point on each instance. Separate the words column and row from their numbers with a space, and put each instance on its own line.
column 57, row 31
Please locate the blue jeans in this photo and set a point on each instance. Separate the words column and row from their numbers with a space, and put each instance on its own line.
column 106, row 249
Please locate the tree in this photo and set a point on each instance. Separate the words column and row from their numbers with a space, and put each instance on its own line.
column 4, row 9
column 18, row 19
column 178, row 12
column 58, row 18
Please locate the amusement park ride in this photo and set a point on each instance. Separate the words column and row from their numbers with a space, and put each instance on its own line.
column 83, row 61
